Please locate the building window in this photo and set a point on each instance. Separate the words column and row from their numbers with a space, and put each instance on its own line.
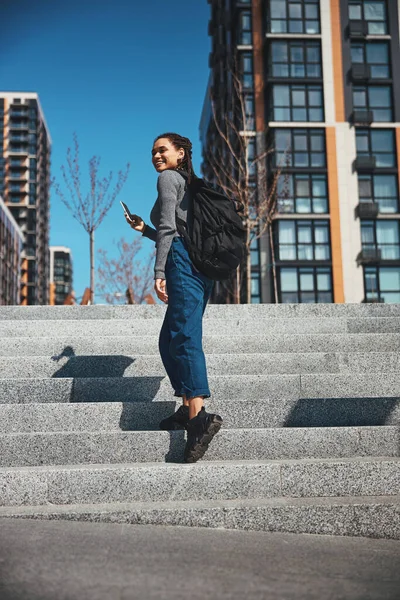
column 302, row 193
column 305, row 285
column 300, row 148
column 382, row 283
column 295, row 59
column 371, row 11
column 381, row 189
column 297, row 103
column 249, row 112
column 251, row 157
column 381, row 235
column 293, row 16
column 246, row 68
column 255, row 271
column 376, row 98
column 378, row 143
column 303, row 240
column 245, row 37
column 374, row 54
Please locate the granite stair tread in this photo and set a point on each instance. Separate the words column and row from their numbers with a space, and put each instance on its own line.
column 230, row 444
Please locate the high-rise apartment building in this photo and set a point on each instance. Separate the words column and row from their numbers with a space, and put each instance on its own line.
column 321, row 80
column 10, row 257
column 60, row 274
column 24, row 185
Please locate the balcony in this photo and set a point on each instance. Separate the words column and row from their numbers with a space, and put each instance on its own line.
column 17, row 175
column 17, row 150
column 362, row 117
column 364, row 163
column 360, row 72
column 369, row 255
column 374, row 300
column 12, row 125
column 367, row 210
column 18, row 113
column 357, row 29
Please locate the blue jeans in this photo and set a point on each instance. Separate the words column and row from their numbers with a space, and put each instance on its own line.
column 180, row 340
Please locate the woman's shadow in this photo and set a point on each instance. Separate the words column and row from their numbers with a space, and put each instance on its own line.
column 101, row 378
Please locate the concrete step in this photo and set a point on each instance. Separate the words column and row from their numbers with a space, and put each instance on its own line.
column 83, row 447
column 105, row 483
column 144, row 327
column 212, row 344
column 211, row 326
column 365, row 516
column 246, row 414
column 264, row 311
column 235, row 387
column 217, row 364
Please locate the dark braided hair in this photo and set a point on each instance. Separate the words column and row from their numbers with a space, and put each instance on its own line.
column 178, row 141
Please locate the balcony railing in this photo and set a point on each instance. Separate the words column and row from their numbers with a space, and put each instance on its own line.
column 358, row 29
column 367, row 210
column 362, row 117
column 17, row 150
column 360, row 72
column 12, row 125
column 373, row 300
column 364, row 163
column 369, row 254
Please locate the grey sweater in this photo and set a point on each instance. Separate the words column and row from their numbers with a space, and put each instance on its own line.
column 172, row 197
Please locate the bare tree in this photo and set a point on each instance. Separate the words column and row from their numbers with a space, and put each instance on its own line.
column 237, row 162
column 90, row 208
column 126, row 278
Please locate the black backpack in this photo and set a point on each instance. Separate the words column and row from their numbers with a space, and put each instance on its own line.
column 215, row 235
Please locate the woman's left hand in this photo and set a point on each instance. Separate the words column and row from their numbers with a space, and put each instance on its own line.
column 161, row 290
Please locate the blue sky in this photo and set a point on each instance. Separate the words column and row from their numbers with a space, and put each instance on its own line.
column 118, row 72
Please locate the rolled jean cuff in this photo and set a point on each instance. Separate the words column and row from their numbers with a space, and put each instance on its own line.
column 205, row 392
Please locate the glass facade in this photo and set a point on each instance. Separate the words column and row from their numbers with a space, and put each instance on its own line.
column 62, row 274
column 297, row 102
column 382, row 284
column 381, row 190
column 293, row 16
column 10, row 258
column 378, row 143
column 303, row 240
column 373, row 12
column 295, row 59
column 305, row 285
column 375, row 55
column 381, row 236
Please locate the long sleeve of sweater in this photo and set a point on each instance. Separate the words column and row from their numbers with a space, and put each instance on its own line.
column 150, row 233
column 169, row 185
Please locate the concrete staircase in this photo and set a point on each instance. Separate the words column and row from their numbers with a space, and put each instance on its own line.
column 310, row 396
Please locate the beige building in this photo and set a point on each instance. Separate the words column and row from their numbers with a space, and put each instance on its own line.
column 10, row 257
column 321, row 80
column 24, row 182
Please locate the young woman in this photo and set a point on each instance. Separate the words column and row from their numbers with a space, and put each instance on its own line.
column 184, row 290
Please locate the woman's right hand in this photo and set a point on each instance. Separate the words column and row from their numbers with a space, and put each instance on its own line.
column 136, row 223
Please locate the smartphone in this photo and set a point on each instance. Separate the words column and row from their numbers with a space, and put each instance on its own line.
column 126, row 210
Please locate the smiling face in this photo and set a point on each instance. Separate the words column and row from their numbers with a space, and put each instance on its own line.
column 165, row 155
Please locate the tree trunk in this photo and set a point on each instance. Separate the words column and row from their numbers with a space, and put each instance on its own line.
column 91, row 267
column 271, row 241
